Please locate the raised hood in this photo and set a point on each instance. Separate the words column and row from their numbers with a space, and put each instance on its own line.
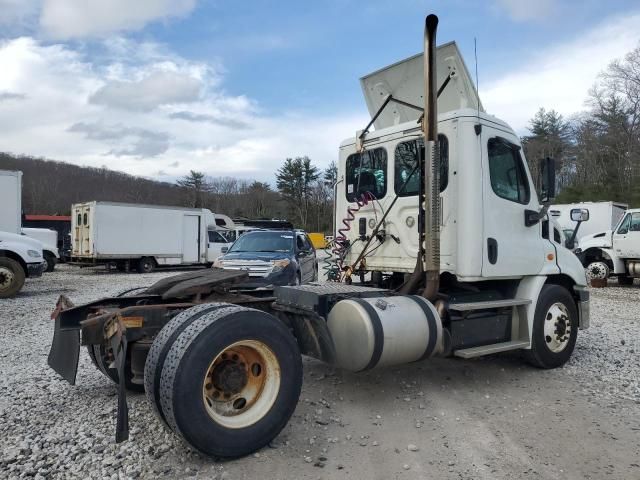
column 405, row 81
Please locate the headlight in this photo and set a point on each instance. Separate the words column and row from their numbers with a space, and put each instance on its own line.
column 34, row 253
column 279, row 265
column 218, row 263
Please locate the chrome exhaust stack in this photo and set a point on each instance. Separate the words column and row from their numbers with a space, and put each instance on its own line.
column 431, row 240
column 428, row 262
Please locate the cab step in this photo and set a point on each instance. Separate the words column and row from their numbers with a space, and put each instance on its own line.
column 489, row 349
column 489, row 304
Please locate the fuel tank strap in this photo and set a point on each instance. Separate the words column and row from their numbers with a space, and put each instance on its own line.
column 433, row 326
column 378, row 333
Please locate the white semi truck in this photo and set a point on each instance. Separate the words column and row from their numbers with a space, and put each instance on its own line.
column 614, row 251
column 143, row 236
column 20, row 257
column 454, row 240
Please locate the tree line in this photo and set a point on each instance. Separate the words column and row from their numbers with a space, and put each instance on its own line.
column 597, row 152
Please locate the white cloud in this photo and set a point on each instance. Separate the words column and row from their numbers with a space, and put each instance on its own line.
column 559, row 77
column 65, row 19
column 526, row 10
column 70, row 108
column 158, row 88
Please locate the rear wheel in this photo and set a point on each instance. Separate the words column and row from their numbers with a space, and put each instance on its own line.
column 161, row 345
column 555, row 328
column 146, row 265
column 50, row 258
column 11, row 277
column 231, row 381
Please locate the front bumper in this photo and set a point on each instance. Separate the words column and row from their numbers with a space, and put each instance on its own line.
column 583, row 307
column 36, row 269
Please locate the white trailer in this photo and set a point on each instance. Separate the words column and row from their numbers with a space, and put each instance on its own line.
column 10, row 201
column 602, row 216
column 143, row 236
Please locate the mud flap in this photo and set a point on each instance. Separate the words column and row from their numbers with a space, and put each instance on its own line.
column 64, row 352
column 119, row 345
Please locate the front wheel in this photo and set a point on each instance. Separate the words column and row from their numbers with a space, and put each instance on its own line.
column 231, row 381
column 11, row 277
column 50, row 258
column 598, row 271
column 555, row 328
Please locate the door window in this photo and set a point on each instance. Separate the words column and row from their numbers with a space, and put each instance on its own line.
column 367, row 172
column 631, row 223
column 406, row 158
column 215, row 237
column 507, row 172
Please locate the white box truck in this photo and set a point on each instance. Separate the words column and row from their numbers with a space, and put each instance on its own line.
column 143, row 236
column 20, row 257
column 602, row 216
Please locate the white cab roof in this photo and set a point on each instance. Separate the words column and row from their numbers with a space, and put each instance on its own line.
column 405, row 81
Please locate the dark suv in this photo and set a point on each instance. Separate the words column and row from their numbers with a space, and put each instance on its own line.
column 272, row 257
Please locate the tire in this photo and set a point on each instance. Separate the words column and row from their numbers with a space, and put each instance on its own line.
column 599, row 270
column 624, row 280
column 11, row 277
column 161, row 345
column 552, row 349
column 50, row 258
column 231, row 381
column 146, row 265
column 98, row 358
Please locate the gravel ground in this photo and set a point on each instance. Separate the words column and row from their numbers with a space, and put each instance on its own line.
column 492, row 417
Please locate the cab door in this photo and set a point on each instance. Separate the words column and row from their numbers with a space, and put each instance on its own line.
column 510, row 246
column 626, row 239
column 215, row 243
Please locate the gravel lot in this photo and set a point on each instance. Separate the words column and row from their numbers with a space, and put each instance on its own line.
column 488, row 418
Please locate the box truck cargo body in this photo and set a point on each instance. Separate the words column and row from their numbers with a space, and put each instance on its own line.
column 143, row 236
column 10, row 201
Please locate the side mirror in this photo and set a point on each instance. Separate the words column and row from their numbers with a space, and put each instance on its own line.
column 579, row 214
column 224, row 249
column 547, row 180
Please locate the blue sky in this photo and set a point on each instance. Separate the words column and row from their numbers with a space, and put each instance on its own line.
column 158, row 87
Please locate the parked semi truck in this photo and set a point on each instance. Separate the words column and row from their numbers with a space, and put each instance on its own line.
column 143, row 237
column 20, row 257
column 614, row 251
column 452, row 237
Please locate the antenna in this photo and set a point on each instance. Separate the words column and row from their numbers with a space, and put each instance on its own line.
column 478, row 127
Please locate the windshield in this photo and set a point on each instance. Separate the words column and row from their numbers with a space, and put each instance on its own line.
column 264, row 242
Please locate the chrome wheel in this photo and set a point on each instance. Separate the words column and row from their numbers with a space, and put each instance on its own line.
column 597, row 270
column 6, row 278
column 241, row 384
column 557, row 327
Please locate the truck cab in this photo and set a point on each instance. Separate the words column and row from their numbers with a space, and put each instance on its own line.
column 614, row 252
column 20, row 257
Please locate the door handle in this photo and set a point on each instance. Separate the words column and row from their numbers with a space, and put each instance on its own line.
column 492, row 250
